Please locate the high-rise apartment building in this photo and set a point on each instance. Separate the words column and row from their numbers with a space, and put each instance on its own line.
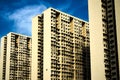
column 15, row 57
column 60, row 47
column 3, row 57
column 104, row 21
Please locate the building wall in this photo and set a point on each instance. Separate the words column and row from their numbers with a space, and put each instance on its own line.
column 8, row 56
column 96, row 40
column 86, row 51
column 34, row 66
column 63, row 41
column 117, row 13
column 104, row 23
column 37, row 50
column 47, row 45
column 3, row 57
column 16, row 56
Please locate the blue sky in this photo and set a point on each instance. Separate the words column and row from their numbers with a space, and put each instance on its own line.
column 16, row 15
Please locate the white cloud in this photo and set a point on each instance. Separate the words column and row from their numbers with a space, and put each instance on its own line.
column 23, row 18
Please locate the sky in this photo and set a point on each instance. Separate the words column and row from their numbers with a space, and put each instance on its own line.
column 16, row 15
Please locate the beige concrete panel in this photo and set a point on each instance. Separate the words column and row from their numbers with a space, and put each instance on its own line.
column 47, row 45
column 8, row 56
column 1, row 57
column 34, row 48
column 96, row 40
column 117, row 13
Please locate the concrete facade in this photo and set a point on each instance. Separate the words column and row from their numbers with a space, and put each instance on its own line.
column 60, row 47
column 104, row 39
column 16, row 57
